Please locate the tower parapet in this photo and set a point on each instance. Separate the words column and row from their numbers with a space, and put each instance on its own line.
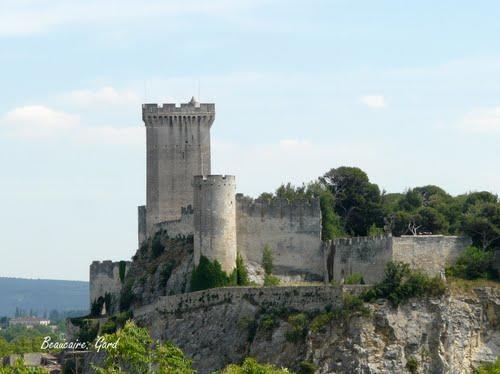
column 178, row 147
column 215, row 219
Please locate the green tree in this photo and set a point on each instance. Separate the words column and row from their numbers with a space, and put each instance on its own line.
column 473, row 263
column 430, row 220
column 267, row 260
column 132, row 350
column 241, row 272
column 482, row 223
column 209, row 274
column 20, row 368
column 356, row 200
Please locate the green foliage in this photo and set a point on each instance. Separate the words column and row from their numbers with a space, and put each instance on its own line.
column 351, row 305
column 20, row 368
column 267, row 260
column 321, row 321
column 357, row 201
column 473, row 263
column 298, row 330
column 169, row 359
column 241, row 272
column 331, row 223
column 482, row 223
column 109, row 327
column 490, row 368
column 269, row 321
column 157, row 246
column 251, row 366
column 209, row 274
column 166, row 272
column 353, row 206
column 412, row 365
column 97, row 305
column 375, row 231
column 307, row 367
column 400, row 283
column 136, row 353
column 127, row 296
column 122, row 270
column 271, row 280
column 19, row 339
column 354, row 278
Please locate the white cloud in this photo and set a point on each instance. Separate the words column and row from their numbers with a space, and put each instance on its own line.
column 374, row 101
column 35, row 16
column 37, row 121
column 482, row 121
column 104, row 96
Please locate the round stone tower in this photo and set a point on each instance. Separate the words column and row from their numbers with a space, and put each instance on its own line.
column 215, row 219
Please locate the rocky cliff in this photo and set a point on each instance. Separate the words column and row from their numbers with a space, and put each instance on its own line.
column 451, row 334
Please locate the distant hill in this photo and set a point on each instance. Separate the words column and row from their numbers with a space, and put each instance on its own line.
column 42, row 295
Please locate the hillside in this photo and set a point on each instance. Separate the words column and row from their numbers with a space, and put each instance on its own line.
column 42, row 295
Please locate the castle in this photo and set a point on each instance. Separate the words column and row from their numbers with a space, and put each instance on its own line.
column 183, row 198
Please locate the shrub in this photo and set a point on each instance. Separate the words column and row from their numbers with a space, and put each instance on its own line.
column 166, row 272
column 320, row 321
column 108, row 328
column 473, row 263
column 271, row 280
column 412, row 365
column 126, row 296
column 490, row 368
column 267, row 260
column 307, row 367
column 209, row 274
column 354, row 278
column 157, row 246
column 250, row 366
column 241, row 272
column 269, row 322
column 400, row 283
column 299, row 328
column 122, row 270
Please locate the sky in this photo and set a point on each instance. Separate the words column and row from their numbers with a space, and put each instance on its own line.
column 407, row 91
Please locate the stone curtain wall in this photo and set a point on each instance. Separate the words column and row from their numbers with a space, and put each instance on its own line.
column 291, row 229
column 180, row 227
column 363, row 255
column 430, row 253
column 300, row 298
column 105, row 278
column 368, row 256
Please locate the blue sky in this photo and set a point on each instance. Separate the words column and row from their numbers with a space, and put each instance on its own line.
column 408, row 91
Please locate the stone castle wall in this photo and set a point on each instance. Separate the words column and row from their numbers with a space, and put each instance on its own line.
column 178, row 147
column 215, row 220
column 430, row 253
column 105, row 278
column 368, row 256
column 179, row 227
column 291, row 229
column 365, row 255
column 302, row 298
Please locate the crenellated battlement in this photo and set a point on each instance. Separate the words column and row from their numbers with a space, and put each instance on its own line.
column 200, row 180
column 360, row 240
column 277, row 206
column 155, row 112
